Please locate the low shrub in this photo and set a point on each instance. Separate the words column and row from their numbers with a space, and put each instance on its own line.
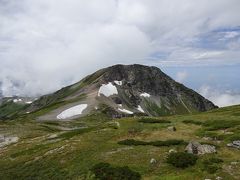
column 192, row 122
column 211, row 169
column 212, row 164
column 152, row 120
column 234, row 137
column 132, row 142
column 104, row 171
column 170, row 142
column 220, row 124
column 182, row 159
column 212, row 160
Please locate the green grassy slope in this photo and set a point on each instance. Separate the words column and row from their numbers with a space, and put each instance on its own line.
column 68, row 150
column 9, row 109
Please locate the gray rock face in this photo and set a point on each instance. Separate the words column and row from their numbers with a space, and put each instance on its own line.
column 197, row 148
column 234, row 144
column 139, row 78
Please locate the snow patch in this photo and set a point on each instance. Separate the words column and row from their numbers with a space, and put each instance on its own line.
column 107, row 90
column 73, row 111
column 140, row 109
column 125, row 111
column 28, row 102
column 145, row 95
column 118, row 82
column 17, row 100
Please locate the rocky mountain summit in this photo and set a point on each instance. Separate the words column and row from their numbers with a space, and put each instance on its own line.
column 121, row 90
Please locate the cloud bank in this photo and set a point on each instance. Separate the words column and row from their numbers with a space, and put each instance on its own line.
column 47, row 44
column 219, row 98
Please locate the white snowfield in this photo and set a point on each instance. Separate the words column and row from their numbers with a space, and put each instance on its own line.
column 29, row 102
column 125, row 111
column 140, row 109
column 73, row 111
column 118, row 82
column 107, row 90
column 145, row 95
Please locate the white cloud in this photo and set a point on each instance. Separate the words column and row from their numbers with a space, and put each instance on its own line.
column 231, row 34
column 221, row 99
column 47, row 44
column 181, row 76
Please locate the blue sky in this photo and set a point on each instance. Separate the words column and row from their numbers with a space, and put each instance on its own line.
column 221, row 77
column 48, row 44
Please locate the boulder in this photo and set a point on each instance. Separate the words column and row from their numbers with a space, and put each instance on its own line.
column 172, row 151
column 234, row 163
column 172, row 128
column 234, row 144
column 114, row 124
column 153, row 161
column 196, row 148
column 7, row 140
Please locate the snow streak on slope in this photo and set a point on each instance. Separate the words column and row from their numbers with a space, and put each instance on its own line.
column 125, row 111
column 145, row 95
column 118, row 82
column 140, row 109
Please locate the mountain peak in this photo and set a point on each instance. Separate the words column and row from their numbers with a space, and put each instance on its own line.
column 123, row 90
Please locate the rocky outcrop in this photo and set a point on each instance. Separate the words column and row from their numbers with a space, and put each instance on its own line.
column 234, row 144
column 196, row 148
column 7, row 140
column 153, row 81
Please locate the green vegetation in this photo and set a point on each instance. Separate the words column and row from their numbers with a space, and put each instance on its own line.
column 152, row 120
column 220, row 124
column 181, row 159
column 70, row 134
column 192, row 122
column 105, row 171
column 171, row 142
column 8, row 109
column 212, row 165
column 70, row 149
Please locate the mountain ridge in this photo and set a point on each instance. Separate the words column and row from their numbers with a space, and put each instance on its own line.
column 137, row 90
